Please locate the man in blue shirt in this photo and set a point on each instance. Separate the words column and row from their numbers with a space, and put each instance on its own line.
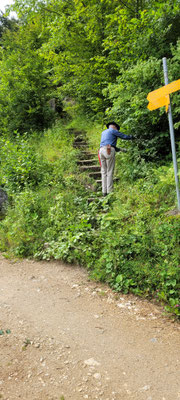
column 107, row 154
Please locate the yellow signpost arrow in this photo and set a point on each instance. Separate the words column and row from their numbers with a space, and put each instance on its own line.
column 159, row 102
column 160, row 97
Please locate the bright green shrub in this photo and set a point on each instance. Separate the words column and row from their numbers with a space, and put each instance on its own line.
column 20, row 165
column 22, row 229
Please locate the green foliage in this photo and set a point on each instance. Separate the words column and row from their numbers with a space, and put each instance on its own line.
column 20, row 165
column 38, row 161
column 6, row 24
column 22, row 229
column 25, row 86
column 128, row 240
column 129, row 98
column 100, row 58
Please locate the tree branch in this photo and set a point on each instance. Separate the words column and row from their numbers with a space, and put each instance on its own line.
column 51, row 11
column 124, row 4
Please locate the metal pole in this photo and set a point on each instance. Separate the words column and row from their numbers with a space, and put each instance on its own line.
column 171, row 128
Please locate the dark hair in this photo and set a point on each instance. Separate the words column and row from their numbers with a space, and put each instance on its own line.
column 113, row 123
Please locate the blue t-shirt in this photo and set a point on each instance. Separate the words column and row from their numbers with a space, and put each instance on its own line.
column 110, row 136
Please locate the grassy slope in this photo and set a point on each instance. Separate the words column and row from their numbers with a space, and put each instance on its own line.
column 128, row 240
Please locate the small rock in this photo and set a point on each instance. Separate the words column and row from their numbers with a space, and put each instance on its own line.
column 91, row 362
column 145, row 388
column 109, row 300
column 97, row 376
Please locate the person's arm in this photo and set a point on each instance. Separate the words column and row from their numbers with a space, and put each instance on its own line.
column 122, row 135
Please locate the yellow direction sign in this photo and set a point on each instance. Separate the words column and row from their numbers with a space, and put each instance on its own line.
column 160, row 97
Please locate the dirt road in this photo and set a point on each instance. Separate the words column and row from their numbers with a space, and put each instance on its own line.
column 65, row 337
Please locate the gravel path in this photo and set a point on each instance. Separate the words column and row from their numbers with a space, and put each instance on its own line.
column 65, row 337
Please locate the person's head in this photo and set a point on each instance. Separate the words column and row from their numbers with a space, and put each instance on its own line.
column 113, row 125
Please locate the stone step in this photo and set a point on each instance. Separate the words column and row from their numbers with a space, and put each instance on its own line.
column 85, row 155
column 94, row 174
column 95, row 168
column 89, row 153
column 86, row 162
column 78, row 133
column 80, row 140
column 80, row 144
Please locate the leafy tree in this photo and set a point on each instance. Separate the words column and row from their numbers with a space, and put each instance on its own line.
column 6, row 24
column 25, row 80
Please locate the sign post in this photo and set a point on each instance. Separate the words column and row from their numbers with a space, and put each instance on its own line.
column 171, row 128
column 159, row 98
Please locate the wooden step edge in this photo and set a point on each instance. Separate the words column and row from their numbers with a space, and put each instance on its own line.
column 87, row 161
column 90, row 167
column 89, row 153
column 80, row 144
column 95, row 173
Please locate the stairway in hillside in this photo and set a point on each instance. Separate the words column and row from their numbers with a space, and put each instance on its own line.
column 88, row 161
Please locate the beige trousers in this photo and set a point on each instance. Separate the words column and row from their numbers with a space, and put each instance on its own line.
column 107, row 168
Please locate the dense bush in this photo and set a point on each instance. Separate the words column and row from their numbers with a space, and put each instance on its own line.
column 25, row 86
column 20, row 165
column 129, row 105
